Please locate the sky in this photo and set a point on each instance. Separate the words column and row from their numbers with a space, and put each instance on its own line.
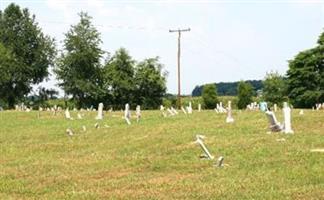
column 229, row 40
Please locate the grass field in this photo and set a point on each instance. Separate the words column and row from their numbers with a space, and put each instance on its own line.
column 157, row 159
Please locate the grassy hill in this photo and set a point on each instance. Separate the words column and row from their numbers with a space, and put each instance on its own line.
column 157, row 159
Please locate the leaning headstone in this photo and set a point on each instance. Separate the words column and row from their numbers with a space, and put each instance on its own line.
column 79, row 116
column 170, row 112
column 229, row 118
column 275, row 126
column 204, row 148
column 287, row 119
column 138, row 113
column 175, row 112
column 199, row 107
column 127, row 114
column 100, row 113
column 162, row 111
column 183, row 110
column 84, row 128
column 220, row 161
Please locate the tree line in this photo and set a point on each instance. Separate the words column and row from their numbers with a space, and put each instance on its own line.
column 86, row 73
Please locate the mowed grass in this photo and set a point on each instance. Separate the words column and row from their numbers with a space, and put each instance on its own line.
column 157, row 159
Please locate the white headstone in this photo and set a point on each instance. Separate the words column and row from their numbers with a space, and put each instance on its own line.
column 301, row 112
column 138, row 113
column 229, row 118
column 67, row 114
column 287, row 119
column 204, row 148
column 275, row 107
column 127, row 114
column 183, row 110
column 189, row 108
column 100, row 113
column 199, row 107
column 175, row 112
column 79, row 116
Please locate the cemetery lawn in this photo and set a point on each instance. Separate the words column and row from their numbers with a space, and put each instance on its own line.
column 157, row 159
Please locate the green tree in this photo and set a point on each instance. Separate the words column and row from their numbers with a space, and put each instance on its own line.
column 26, row 53
column 209, row 96
column 150, row 83
column 79, row 68
column 245, row 94
column 119, row 78
column 306, row 76
column 274, row 88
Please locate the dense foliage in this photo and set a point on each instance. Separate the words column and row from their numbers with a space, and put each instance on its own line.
column 306, row 76
column 25, row 54
column 274, row 89
column 245, row 94
column 209, row 96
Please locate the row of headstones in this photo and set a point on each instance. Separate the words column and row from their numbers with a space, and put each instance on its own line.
column 172, row 111
column 100, row 115
column 319, row 106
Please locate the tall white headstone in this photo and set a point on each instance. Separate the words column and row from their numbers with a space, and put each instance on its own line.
column 183, row 110
column 275, row 107
column 287, row 119
column 189, row 108
column 100, row 113
column 229, row 118
column 127, row 114
column 138, row 113
column 199, row 107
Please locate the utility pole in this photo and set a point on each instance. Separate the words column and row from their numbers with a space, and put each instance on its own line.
column 179, row 87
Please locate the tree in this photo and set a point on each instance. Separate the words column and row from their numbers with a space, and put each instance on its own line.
column 79, row 67
column 306, row 76
column 119, row 78
column 26, row 53
column 245, row 93
column 209, row 96
column 274, row 88
column 150, row 83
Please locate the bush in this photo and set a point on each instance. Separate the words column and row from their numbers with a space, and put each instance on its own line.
column 209, row 96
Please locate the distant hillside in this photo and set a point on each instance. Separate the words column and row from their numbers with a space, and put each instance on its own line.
column 228, row 88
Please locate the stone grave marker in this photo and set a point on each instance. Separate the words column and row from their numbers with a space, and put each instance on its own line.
column 127, row 114
column 287, row 118
column 100, row 113
column 138, row 113
column 229, row 118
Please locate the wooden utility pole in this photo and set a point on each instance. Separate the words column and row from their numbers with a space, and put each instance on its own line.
column 179, row 84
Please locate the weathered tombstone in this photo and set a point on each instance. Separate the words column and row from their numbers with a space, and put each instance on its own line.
column 100, row 113
column 183, row 110
column 67, row 114
column 263, row 106
column 79, row 116
column 220, row 161
column 287, row 119
column 84, row 128
column 275, row 126
column 127, row 114
column 162, row 111
column 199, row 107
column 275, row 107
column 175, row 112
column 96, row 125
column 204, row 148
column 138, row 113
column 69, row 132
column 229, row 118
column 301, row 112
column 189, row 108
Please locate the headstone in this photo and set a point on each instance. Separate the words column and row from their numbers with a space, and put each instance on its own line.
column 204, row 148
column 138, row 113
column 100, row 113
column 69, row 132
column 287, row 119
column 162, row 111
column 79, row 116
column 96, row 125
column 199, row 107
column 301, row 112
column 189, row 108
column 127, row 114
column 275, row 107
column 275, row 126
column 170, row 112
column 84, row 128
column 183, row 110
column 175, row 112
column 263, row 106
column 229, row 118
column 220, row 161
column 67, row 114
